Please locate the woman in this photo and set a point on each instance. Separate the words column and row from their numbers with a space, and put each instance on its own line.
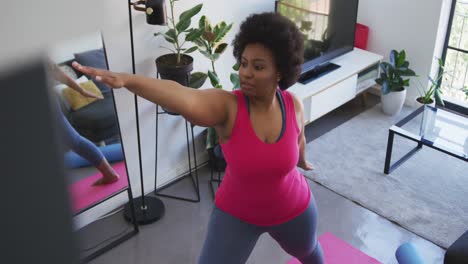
column 75, row 141
column 261, row 132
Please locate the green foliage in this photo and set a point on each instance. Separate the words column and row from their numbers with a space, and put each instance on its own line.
column 391, row 75
column 434, row 91
column 210, row 42
column 180, row 28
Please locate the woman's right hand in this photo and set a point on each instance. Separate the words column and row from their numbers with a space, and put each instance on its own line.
column 112, row 79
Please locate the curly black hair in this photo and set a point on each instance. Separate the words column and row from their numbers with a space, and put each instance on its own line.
column 281, row 36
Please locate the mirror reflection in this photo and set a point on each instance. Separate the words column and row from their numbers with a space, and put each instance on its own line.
column 88, row 123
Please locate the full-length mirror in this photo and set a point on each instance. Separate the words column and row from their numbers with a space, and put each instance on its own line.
column 88, row 123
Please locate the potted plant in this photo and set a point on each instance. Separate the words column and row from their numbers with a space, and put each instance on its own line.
column 178, row 65
column 211, row 45
column 427, row 95
column 393, row 92
column 465, row 90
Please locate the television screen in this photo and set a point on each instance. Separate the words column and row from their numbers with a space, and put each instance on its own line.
column 328, row 27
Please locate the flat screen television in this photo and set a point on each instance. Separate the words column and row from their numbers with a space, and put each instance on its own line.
column 328, row 27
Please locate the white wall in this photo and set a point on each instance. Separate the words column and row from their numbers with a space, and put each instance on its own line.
column 410, row 25
column 65, row 50
column 27, row 28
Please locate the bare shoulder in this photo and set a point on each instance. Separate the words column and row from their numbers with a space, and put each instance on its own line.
column 298, row 106
column 226, row 100
column 231, row 100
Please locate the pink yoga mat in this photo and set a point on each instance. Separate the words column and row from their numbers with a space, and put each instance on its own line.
column 84, row 194
column 337, row 251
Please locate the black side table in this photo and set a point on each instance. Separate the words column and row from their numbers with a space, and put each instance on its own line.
column 457, row 253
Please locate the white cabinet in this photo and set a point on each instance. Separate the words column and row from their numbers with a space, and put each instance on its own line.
column 331, row 98
column 357, row 71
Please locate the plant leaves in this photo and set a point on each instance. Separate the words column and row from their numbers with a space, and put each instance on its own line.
column 401, row 58
column 407, row 72
column 211, row 138
column 213, row 78
column 209, row 36
column 197, row 79
column 170, row 35
column 438, row 97
column 200, row 43
column 385, row 66
column 395, row 83
column 221, row 48
column 222, row 33
column 191, row 12
column 193, row 35
column 190, row 50
column 235, row 80
column 379, row 81
column 393, row 57
column 441, row 62
column 385, row 87
column 236, row 66
column 432, row 80
column 405, row 64
column 206, row 54
column 217, row 30
column 183, row 25
column 215, row 56
column 203, row 23
column 166, row 37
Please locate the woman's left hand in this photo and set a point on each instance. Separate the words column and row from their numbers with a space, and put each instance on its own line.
column 305, row 165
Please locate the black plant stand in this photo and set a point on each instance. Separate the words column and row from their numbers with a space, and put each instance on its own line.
column 217, row 164
column 192, row 171
column 214, row 181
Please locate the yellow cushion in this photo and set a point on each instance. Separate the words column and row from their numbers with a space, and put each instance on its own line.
column 76, row 100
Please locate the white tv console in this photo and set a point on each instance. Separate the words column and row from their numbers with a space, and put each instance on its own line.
column 359, row 69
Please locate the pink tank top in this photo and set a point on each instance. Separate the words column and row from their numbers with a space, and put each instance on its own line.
column 262, row 184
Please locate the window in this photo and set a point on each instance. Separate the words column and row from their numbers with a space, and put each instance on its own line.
column 454, row 85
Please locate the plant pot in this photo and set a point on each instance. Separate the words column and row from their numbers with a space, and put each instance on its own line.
column 419, row 102
column 168, row 69
column 393, row 102
column 216, row 158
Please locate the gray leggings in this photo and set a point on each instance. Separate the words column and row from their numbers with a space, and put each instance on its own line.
column 230, row 240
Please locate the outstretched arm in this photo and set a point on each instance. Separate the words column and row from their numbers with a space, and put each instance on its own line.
column 208, row 108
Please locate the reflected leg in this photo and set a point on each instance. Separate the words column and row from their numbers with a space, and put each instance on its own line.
column 87, row 150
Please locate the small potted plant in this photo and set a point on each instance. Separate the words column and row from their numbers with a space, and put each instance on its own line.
column 393, row 92
column 178, row 65
column 427, row 95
